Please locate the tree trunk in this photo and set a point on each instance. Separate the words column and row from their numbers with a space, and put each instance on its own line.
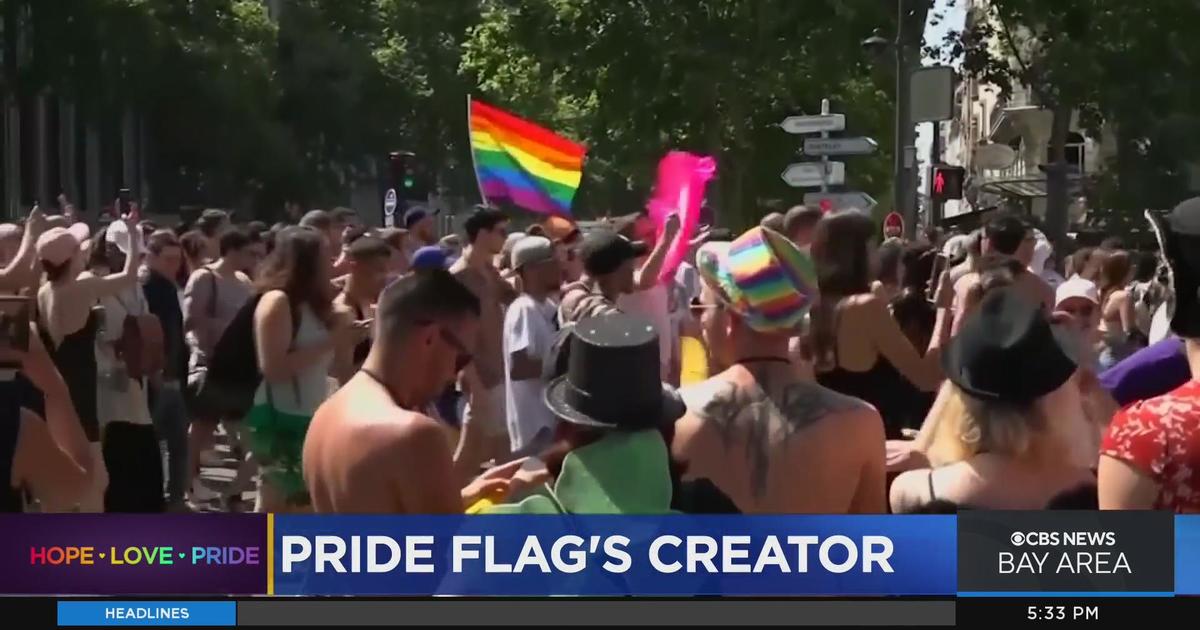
column 1056, row 178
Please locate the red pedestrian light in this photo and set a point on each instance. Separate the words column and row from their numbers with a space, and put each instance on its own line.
column 947, row 182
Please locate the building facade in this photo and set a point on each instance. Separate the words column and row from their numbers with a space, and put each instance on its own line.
column 1003, row 141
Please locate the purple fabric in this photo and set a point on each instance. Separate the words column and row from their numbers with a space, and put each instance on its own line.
column 1152, row 371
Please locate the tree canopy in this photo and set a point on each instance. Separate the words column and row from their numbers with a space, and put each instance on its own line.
column 245, row 107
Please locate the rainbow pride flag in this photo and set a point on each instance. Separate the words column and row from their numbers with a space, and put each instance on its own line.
column 521, row 163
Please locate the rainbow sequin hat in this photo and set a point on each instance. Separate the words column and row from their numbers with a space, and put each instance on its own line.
column 763, row 277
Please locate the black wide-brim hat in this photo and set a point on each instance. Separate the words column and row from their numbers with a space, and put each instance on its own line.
column 613, row 379
column 1008, row 350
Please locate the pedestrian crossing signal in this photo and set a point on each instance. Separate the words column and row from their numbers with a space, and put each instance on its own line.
column 947, row 182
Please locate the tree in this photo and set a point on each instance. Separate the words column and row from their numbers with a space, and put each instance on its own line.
column 1122, row 65
column 633, row 80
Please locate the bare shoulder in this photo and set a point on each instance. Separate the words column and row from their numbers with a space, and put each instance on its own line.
column 403, row 433
column 865, row 306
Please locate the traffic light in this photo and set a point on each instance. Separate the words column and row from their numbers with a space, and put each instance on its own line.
column 408, row 176
column 947, row 182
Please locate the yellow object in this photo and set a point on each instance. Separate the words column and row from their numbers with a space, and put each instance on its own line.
column 480, row 506
column 694, row 361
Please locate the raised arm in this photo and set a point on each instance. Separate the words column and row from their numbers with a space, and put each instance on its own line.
column 647, row 276
column 21, row 272
column 114, row 283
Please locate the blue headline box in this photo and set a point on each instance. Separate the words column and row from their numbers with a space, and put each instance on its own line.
column 147, row 613
column 525, row 555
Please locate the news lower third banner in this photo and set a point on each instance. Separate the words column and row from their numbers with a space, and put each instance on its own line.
column 974, row 554
column 615, row 555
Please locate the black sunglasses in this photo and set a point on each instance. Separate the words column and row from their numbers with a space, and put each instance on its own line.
column 464, row 356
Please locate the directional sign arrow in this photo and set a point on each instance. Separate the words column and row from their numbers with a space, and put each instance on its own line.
column 814, row 124
column 839, row 146
column 840, row 201
column 808, row 174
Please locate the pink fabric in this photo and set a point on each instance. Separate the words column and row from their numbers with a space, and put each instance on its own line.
column 682, row 179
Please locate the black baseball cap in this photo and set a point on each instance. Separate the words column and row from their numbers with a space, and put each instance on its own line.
column 604, row 251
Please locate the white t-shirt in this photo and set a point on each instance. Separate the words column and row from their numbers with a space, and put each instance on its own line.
column 654, row 305
column 529, row 328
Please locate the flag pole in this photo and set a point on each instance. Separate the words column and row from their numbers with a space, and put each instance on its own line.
column 471, row 146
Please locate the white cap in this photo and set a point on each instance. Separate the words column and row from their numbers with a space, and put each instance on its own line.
column 118, row 234
column 1077, row 287
column 532, row 250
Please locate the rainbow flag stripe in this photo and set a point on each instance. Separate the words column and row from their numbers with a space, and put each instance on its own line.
column 521, row 163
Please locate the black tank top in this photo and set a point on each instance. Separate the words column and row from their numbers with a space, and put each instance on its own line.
column 898, row 401
column 75, row 359
column 12, row 397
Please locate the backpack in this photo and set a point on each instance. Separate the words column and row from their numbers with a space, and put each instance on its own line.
column 233, row 374
column 141, row 346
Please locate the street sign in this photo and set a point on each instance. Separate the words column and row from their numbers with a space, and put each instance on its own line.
column 814, row 124
column 389, row 202
column 839, row 146
column 893, row 225
column 931, row 94
column 832, row 202
column 810, row 174
column 389, row 208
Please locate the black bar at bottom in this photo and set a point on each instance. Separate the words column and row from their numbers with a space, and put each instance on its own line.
column 1093, row 612
column 585, row 611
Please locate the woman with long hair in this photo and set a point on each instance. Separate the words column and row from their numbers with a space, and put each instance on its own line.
column 1118, row 324
column 857, row 347
column 1000, row 436
column 296, row 333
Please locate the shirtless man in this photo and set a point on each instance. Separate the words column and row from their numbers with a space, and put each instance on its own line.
column 486, row 231
column 367, row 450
column 1005, row 235
column 770, row 438
column 368, row 259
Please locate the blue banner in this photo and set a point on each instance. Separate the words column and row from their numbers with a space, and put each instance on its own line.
column 525, row 555
column 1187, row 555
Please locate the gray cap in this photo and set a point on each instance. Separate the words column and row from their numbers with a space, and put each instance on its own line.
column 532, row 250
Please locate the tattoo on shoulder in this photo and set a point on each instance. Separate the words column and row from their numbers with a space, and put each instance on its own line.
column 765, row 417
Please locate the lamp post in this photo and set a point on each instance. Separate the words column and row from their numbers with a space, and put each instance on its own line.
column 901, row 199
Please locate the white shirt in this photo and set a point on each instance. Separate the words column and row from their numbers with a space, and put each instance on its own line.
column 528, row 328
column 118, row 397
column 653, row 304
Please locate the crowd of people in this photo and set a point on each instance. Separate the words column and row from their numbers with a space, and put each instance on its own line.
column 800, row 367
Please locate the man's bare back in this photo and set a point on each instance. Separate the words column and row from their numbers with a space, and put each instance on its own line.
column 777, row 445
column 364, row 454
column 493, row 294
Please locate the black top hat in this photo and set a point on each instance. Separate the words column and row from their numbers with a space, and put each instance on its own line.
column 612, row 378
column 1009, row 351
